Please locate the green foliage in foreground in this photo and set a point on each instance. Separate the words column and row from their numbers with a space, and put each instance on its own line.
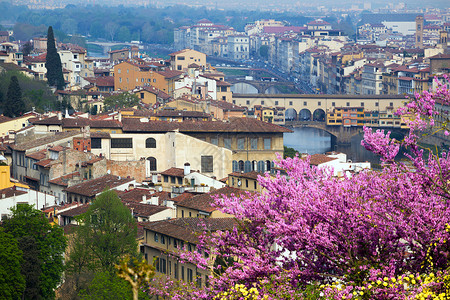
column 42, row 239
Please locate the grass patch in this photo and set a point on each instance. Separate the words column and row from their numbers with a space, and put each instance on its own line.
column 234, row 72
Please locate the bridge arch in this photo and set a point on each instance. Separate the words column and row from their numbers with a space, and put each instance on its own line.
column 244, row 88
column 290, row 114
column 304, row 115
column 319, row 115
column 272, row 90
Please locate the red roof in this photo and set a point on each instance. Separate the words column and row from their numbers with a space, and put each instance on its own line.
column 204, row 202
column 318, row 159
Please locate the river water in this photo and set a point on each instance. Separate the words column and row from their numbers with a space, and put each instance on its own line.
column 314, row 140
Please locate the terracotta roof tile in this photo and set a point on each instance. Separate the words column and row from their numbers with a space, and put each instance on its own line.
column 38, row 155
column 135, row 194
column 76, row 211
column 317, row 159
column 144, row 210
column 92, row 187
column 44, row 163
column 177, row 172
column 45, row 140
column 203, row 202
column 63, row 180
column 10, row 192
column 234, row 125
column 187, row 229
column 48, row 121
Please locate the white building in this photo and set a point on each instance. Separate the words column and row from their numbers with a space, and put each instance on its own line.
column 11, row 197
column 238, row 47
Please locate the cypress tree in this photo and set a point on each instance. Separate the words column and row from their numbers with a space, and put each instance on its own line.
column 53, row 62
column 14, row 105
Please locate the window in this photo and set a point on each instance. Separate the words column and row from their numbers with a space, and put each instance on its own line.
column 152, row 163
column 166, row 178
column 362, row 104
column 290, row 103
column 304, row 103
column 180, row 58
column 246, row 183
column 190, row 275
column 247, row 102
column 241, row 143
column 172, row 179
column 267, row 144
column 163, row 240
column 156, row 237
column 182, row 272
column 333, row 103
column 142, row 94
column 254, row 143
column 215, row 141
column 227, row 143
column 150, row 143
column 276, row 102
column 207, row 164
column 179, row 67
column 376, row 103
column 96, row 143
column 391, row 103
column 348, row 103
column 319, row 103
column 122, row 143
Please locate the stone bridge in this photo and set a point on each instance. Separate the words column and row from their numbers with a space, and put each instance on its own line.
column 340, row 134
column 106, row 46
column 262, row 87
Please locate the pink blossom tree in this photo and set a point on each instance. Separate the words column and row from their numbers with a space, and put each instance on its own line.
column 346, row 235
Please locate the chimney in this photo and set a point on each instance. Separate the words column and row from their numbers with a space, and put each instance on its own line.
column 144, row 199
column 187, row 169
column 169, row 203
column 59, row 116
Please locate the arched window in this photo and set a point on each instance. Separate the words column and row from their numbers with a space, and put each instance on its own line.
column 268, row 165
column 151, row 163
column 150, row 143
column 241, row 165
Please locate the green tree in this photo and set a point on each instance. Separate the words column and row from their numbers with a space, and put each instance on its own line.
column 27, row 48
column 51, row 244
column 121, row 100
column 31, row 266
column 105, row 286
column 107, row 234
column 109, row 230
column 264, row 51
column 289, row 152
column 53, row 63
column 12, row 282
column 14, row 106
column 124, row 34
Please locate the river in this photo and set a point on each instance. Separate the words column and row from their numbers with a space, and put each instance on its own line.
column 314, row 140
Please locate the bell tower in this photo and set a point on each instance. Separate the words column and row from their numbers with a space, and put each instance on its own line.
column 419, row 32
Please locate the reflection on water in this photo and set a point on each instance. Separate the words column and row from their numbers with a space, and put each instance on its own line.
column 308, row 140
column 314, row 140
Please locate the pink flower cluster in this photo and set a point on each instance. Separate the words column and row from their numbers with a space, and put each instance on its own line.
column 308, row 227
